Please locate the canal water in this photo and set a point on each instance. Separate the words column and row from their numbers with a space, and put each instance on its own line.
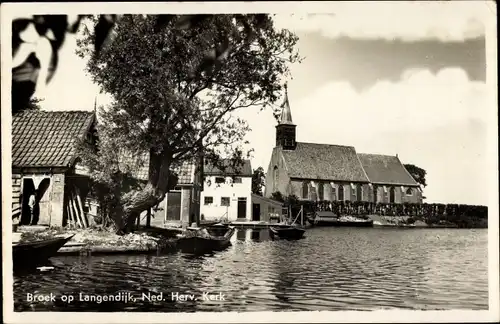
column 330, row 269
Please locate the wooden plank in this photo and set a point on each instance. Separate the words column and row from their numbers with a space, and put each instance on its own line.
column 80, row 207
column 75, row 210
column 71, row 221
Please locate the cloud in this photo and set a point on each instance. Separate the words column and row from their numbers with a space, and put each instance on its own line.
column 408, row 21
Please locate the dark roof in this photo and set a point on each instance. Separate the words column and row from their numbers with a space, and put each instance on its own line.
column 139, row 168
column 386, row 169
column 244, row 170
column 324, row 162
column 48, row 138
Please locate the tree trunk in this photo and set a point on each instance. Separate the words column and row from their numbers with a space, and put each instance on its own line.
column 158, row 184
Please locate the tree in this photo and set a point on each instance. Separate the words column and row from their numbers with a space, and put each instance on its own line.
column 175, row 90
column 258, row 181
column 417, row 173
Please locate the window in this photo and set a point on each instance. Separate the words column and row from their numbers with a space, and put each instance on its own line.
column 237, row 180
column 209, row 200
column 321, row 192
column 305, row 190
column 225, row 201
column 334, row 194
column 220, row 180
column 409, row 191
column 275, row 177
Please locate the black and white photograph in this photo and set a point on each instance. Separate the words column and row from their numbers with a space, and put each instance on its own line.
column 250, row 162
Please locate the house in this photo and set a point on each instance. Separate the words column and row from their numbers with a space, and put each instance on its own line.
column 181, row 206
column 321, row 172
column 44, row 155
column 227, row 193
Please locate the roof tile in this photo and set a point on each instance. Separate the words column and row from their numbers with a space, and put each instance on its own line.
column 325, row 162
column 386, row 169
column 47, row 138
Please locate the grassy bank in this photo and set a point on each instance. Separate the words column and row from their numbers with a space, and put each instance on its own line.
column 94, row 240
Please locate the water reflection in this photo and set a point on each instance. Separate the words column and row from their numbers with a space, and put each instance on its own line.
column 331, row 269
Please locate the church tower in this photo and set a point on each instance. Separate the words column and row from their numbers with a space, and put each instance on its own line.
column 285, row 130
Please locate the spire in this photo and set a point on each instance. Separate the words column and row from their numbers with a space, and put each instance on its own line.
column 286, row 113
column 95, row 104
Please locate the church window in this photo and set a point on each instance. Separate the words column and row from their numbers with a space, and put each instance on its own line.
column 321, row 192
column 305, row 190
column 341, row 192
column 409, row 191
column 359, row 192
column 276, row 177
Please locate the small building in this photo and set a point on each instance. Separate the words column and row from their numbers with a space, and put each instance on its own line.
column 44, row 155
column 266, row 209
column 227, row 193
column 181, row 206
column 325, row 172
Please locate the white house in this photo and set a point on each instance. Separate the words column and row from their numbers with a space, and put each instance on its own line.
column 228, row 194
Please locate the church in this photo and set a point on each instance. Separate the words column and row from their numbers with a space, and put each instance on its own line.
column 325, row 172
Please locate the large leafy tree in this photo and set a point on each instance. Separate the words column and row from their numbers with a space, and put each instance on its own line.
column 417, row 173
column 176, row 80
column 258, row 181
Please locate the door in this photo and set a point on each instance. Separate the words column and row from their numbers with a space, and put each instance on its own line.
column 392, row 194
column 174, row 206
column 242, row 207
column 256, row 212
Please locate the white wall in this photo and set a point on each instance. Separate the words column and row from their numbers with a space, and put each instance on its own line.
column 227, row 189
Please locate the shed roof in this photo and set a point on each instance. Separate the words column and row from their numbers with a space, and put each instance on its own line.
column 244, row 170
column 324, row 162
column 386, row 169
column 139, row 168
column 48, row 138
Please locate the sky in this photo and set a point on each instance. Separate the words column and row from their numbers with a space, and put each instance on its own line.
column 388, row 78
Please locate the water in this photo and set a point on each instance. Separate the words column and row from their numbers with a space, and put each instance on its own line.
column 331, row 269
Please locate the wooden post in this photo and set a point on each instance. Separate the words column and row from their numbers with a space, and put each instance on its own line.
column 148, row 218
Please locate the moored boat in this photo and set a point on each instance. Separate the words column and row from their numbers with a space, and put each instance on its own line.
column 327, row 218
column 286, row 232
column 201, row 241
column 24, row 253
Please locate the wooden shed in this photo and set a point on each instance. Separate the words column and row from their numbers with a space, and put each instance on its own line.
column 44, row 154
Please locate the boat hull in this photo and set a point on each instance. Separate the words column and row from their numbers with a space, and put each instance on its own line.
column 195, row 244
column 288, row 233
column 337, row 223
column 35, row 252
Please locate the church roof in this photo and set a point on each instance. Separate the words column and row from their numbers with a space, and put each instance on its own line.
column 325, row 162
column 386, row 169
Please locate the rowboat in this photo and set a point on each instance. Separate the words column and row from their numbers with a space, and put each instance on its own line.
column 201, row 241
column 26, row 253
column 286, row 232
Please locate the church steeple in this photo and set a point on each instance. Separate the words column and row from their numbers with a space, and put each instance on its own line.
column 286, row 112
column 285, row 130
